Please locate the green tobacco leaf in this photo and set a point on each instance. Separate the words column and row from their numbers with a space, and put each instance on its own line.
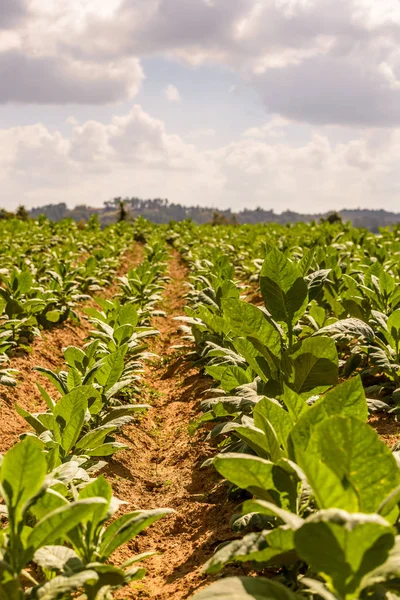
column 387, row 571
column 75, row 357
column 233, row 377
column 112, row 368
column 25, row 282
column 284, row 290
column 349, row 329
column 246, row 320
column 344, row 547
column 22, row 474
column 267, row 508
column 54, row 378
column 106, row 449
column 275, row 546
column 74, row 378
column 62, row 584
column 246, row 588
column 346, row 464
column 31, row 419
column 48, row 503
column 362, row 463
column 53, row 316
column 54, row 526
column 94, row 438
column 128, row 315
column 260, row 477
column 123, row 334
column 311, row 365
column 393, row 325
column 269, row 411
column 69, row 416
column 46, row 396
column 57, row 558
column 122, row 411
column 254, row 357
column 295, row 404
column 348, row 399
column 99, row 488
column 255, row 438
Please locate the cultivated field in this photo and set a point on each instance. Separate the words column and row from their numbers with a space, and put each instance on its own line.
column 199, row 412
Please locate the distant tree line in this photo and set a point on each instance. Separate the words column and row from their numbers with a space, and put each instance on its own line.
column 160, row 210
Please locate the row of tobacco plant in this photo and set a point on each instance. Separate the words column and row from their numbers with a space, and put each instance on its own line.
column 319, row 490
column 60, row 528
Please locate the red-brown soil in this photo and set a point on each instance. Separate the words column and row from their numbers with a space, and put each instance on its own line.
column 163, row 468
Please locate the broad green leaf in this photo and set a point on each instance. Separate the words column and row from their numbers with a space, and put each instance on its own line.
column 269, row 411
column 246, row 588
column 255, row 438
column 75, row 357
column 128, row 315
column 295, row 404
column 63, row 584
column 233, row 377
column 123, row 334
column 267, row 508
column 22, row 474
column 283, row 288
column 69, row 416
column 260, row 477
column 25, row 282
column 53, row 316
column 254, row 357
column 112, row 368
column 248, row 320
column 276, row 547
column 344, row 547
column 58, row 523
column 348, row 466
column 94, row 437
column 99, row 488
column 106, row 449
column 54, row 378
column 48, row 503
column 57, row 558
column 121, row 411
column 347, row 399
column 393, row 325
column 31, row 419
column 74, row 378
column 311, row 365
column 360, row 460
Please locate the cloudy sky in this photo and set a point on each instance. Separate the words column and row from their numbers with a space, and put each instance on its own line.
column 230, row 103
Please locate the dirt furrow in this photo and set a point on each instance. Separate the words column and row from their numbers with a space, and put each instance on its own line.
column 162, row 468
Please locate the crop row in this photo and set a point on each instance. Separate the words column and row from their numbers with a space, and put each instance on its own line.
column 320, row 491
column 59, row 536
column 46, row 270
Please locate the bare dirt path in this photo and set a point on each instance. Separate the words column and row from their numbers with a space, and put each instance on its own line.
column 163, row 467
column 46, row 352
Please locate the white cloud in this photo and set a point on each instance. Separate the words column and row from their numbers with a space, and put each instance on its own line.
column 201, row 134
column 135, row 154
column 334, row 66
column 275, row 128
column 53, row 80
column 314, row 61
column 172, row 94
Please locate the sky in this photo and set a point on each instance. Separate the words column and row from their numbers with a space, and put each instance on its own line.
column 283, row 104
